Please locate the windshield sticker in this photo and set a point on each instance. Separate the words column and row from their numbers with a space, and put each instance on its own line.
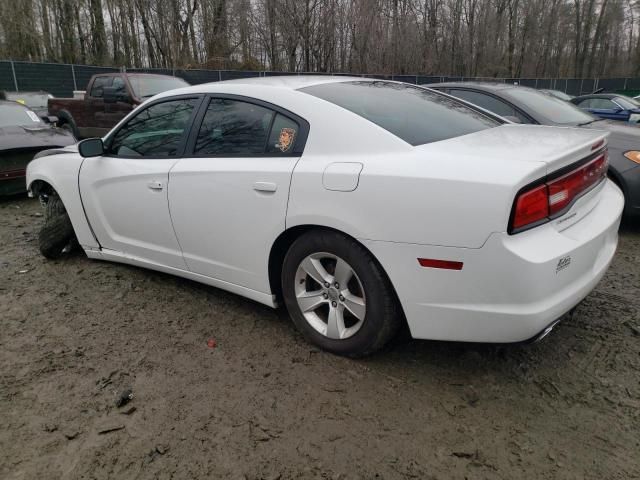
column 286, row 138
column 33, row 116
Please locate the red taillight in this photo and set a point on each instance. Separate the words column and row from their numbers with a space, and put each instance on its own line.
column 542, row 202
column 531, row 207
column 563, row 190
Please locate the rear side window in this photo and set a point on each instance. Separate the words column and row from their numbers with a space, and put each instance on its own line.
column 415, row 115
column 237, row 128
column 97, row 89
column 489, row 103
column 284, row 134
column 231, row 127
column 157, row 131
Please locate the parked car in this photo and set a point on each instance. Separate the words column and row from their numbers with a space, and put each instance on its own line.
column 107, row 100
column 22, row 135
column 355, row 202
column 558, row 94
column 36, row 101
column 610, row 106
column 529, row 106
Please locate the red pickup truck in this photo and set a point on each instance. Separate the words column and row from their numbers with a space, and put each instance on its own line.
column 108, row 99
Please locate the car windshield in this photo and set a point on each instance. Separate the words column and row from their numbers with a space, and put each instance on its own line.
column 414, row 114
column 627, row 103
column 30, row 99
column 12, row 114
column 148, row 86
column 556, row 110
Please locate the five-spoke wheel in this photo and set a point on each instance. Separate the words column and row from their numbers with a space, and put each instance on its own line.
column 338, row 295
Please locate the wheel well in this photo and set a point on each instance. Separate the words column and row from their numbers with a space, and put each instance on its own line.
column 281, row 247
column 40, row 187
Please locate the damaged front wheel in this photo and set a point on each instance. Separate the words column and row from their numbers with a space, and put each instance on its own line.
column 56, row 235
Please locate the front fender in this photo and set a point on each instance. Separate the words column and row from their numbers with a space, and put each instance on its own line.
column 61, row 173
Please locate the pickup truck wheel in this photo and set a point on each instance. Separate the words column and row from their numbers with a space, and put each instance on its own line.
column 64, row 125
column 56, row 235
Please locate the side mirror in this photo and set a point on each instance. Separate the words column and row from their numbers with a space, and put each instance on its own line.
column 512, row 119
column 91, row 147
column 113, row 95
column 50, row 119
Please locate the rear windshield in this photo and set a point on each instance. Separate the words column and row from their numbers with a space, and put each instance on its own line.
column 415, row 115
column 13, row 114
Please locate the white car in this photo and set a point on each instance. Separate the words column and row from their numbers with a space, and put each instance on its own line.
column 360, row 204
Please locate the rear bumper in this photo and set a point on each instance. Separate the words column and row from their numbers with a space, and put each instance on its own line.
column 514, row 286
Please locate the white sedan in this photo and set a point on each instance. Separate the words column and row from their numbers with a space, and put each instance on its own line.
column 359, row 204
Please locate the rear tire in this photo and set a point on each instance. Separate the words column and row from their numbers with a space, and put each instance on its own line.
column 365, row 305
column 56, row 235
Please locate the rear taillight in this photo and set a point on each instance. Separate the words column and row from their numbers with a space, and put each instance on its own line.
column 543, row 201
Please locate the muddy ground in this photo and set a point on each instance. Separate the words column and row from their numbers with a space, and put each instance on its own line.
column 264, row 404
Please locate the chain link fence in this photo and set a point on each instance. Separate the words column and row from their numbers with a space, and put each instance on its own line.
column 61, row 79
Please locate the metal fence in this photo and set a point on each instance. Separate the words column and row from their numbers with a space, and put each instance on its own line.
column 61, row 79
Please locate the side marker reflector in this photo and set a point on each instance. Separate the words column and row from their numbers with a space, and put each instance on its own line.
column 446, row 264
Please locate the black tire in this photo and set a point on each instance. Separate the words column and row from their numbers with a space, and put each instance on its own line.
column 68, row 126
column 57, row 232
column 383, row 316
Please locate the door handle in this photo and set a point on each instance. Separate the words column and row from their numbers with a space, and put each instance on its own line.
column 265, row 187
column 155, row 185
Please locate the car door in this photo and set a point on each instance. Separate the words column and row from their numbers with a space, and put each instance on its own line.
column 228, row 198
column 124, row 192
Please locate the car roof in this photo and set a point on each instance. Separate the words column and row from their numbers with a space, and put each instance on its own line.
column 289, row 82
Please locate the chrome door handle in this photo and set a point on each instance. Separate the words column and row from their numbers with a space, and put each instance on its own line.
column 155, row 185
column 265, row 187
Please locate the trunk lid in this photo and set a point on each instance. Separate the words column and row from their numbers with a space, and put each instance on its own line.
column 556, row 147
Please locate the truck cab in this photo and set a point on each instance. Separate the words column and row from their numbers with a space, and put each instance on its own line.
column 108, row 99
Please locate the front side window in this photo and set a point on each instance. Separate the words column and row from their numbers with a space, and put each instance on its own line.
column 232, row 127
column 489, row 103
column 603, row 104
column 119, row 86
column 157, row 131
column 415, row 115
column 97, row 89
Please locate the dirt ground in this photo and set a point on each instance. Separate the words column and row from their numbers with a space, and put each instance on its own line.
column 263, row 403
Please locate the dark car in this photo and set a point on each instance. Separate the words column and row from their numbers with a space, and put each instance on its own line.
column 527, row 105
column 22, row 135
column 36, row 101
column 610, row 106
